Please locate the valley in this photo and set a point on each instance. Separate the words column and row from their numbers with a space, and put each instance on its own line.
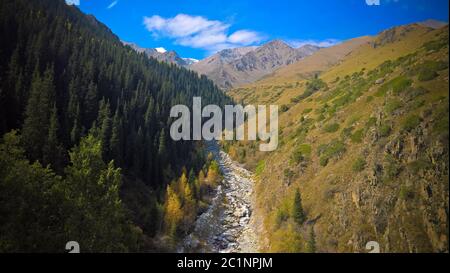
column 89, row 152
column 228, row 225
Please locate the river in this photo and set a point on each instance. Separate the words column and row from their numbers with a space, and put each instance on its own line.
column 228, row 226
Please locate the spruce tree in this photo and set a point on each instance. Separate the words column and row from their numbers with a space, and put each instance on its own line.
column 139, row 151
column 311, row 244
column 75, row 133
column 115, row 142
column 297, row 212
column 90, row 104
column 104, row 121
column 53, row 152
column 40, row 103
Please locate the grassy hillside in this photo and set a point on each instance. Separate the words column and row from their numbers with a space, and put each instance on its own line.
column 365, row 140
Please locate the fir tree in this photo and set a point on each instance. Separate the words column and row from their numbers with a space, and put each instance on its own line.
column 36, row 125
column 311, row 244
column 297, row 211
column 53, row 151
column 115, row 142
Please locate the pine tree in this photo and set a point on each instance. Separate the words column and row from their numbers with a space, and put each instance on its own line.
column 149, row 159
column 36, row 124
column 311, row 244
column 162, row 150
column 33, row 141
column 139, row 150
column 98, row 220
column 115, row 142
column 53, row 152
column 13, row 92
column 104, row 121
column 75, row 133
column 91, row 104
column 74, row 103
column 297, row 211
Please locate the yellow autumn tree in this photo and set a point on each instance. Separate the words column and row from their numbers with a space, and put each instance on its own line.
column 287, row 239
column 232, row 153
column 173, row 212
column 213, row 174
column 183, row 181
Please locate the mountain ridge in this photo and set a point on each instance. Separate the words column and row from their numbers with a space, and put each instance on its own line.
column 234, row 67
column 163, row 55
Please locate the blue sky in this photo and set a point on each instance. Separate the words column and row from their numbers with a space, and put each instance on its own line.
column 198, row 28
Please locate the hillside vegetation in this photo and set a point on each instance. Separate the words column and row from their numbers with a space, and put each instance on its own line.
column 85, row 152
column 365, row 143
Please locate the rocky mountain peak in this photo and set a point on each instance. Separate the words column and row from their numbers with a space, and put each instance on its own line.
column 233, row 67
column 162, row 55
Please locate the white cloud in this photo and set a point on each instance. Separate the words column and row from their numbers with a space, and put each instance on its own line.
column 200, row 32
column 112, row 4
column 245, row 37
column 73, row 2
column 320, row 43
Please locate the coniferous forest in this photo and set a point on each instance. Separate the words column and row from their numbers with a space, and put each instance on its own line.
column 85, row 151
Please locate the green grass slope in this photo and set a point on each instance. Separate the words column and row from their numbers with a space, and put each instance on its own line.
column 366, row 144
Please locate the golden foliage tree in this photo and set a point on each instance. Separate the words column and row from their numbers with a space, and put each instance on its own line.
column 174, row 213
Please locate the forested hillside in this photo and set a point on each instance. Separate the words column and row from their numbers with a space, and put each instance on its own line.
column 90, row 158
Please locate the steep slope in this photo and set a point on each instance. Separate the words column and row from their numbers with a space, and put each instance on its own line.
column 234, row 67
column 162, row 55
column 320, row 61
column 215, row 66
column 85, row 152
column 366, row 144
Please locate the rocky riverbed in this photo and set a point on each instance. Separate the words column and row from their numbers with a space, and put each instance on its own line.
column 228, row 225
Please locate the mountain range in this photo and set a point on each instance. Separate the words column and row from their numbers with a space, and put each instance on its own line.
column 234, row 67
column 163, row 55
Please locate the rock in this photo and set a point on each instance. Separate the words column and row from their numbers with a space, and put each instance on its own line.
column 379, row 81
column 356, row 198
column 225, row 226
column 395, row 147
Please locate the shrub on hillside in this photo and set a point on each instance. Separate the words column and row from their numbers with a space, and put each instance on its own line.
column 301, row 153
column 436, row 44
column 327, row 151
column 284, row 108
column 411, row 122
column 384, row 130
column 260, row 167
column 358, row 136
column 359, row 164
column 427, row 75
column 392, row 105
column 396, row 85
column 406, row 193
column 331, row 128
